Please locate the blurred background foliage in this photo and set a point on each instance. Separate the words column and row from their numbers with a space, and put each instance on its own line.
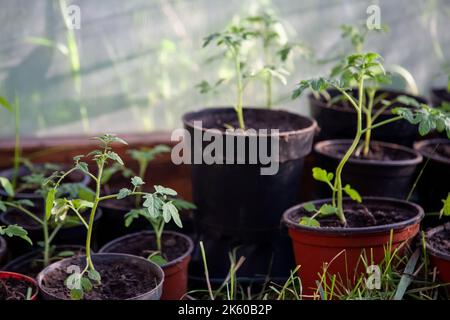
column 133, row 65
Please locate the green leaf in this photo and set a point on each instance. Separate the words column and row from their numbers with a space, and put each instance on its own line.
column 2, row 206
column 76, row 294
column 165, row 191
column 86, row 284
column 83, row 166
column 166, row 209
column 327, row 209
column 7, row 186
column 446, row 207
column 137, row 181
column 352, row 193
column 153, row 205
column 123, row 193
column 80, row 204
column 183, row 205
column 6, row 104
column 320, row 174
column 25, row 202
column 94, row 275
column 114, row 156
column 173, row 212
column 157, row 258
column 310, row 222
column 310, row 207
column 49, row 203
column 14, row 230
column 130, row 216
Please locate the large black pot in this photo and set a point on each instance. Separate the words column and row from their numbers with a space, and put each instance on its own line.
column 382, row 178
column 68, row 235
column 439, row 96
column 237, row 205
column 433, row 186
column 338, row 120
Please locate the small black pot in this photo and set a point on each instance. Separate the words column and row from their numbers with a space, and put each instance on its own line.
column 75, row 177
column 433, row 186
column 3, row 251
column 338, row 121
column 105, row 260
column 236, row 204
column 71, row 235
column 27, row 264
column 439, row 95
column 380, row 178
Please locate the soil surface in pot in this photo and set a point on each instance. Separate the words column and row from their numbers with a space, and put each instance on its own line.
column 359, row 216
column 13, row 289
column 440, row 241
column 120, row 281
column 281, row 120
column 377, row 152
column 442, row 151
column 36, row 263
column 173, row 246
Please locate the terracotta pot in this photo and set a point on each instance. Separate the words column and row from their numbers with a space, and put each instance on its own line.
column 12, row 275
column 382, row 178
column 107, row 260
column 175, row 271
column 341, row 248
column 439, row 259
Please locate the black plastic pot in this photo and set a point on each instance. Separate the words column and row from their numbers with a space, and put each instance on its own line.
column 107, row 261
column 75, row 177
column 237, row 205
column 382, row 178
column 175, row 270
column 70, row 235
column 439, row 95
column 3, row 251
column 29, row 264
column 433, row 186
column 338, row 121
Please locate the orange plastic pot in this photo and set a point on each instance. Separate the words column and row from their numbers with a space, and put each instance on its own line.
column 439, row 259
column 339, row 251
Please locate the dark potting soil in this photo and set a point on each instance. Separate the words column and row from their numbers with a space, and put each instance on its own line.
column 14, row 289
column 281, row 120
column 35, row 264
column 440, row 241
column 360, row 216
column 120, row 281
column 442, row 151
column 377, row 152
column 143, row 245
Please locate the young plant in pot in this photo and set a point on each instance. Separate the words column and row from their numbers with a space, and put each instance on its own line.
column 114, row 209
column 336, row 116
column 170, row 250
column 32, row 217
column 335, row 232
column 239, row 198
column 15, row 286
column 437, row 244
column 106, row 275
column 376, row 168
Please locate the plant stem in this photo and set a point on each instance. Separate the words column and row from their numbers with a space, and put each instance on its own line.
column 269, row 101
column 240, row 90
column 371, row 95
column 17, row 143
column 46, row 243
column 382, row 123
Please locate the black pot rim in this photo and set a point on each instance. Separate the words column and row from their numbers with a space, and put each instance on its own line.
column 432, row 250
column 98, row 215
column 415, row 160
column 48, row 269
column 8, row 172
column 145, row 232
column 311, row 128
column 419, row 145
column 355, row 231
column 323, row 104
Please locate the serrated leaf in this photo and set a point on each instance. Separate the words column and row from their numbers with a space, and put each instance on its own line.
column 49, row 203
column 320, row 174
column 183, row 204
column 174, row 213
column 137, row 181
column 327, row 209
column 14, row 230
column 165, row 191
column 352, row 193
column 83, row 166
column 123, row 193
column 310, row 207
column 7, row 186
column 153, row 205
column 166, row 210
column 446, row 207
column 310, row 222
column 130, row 216
column 114, row 156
